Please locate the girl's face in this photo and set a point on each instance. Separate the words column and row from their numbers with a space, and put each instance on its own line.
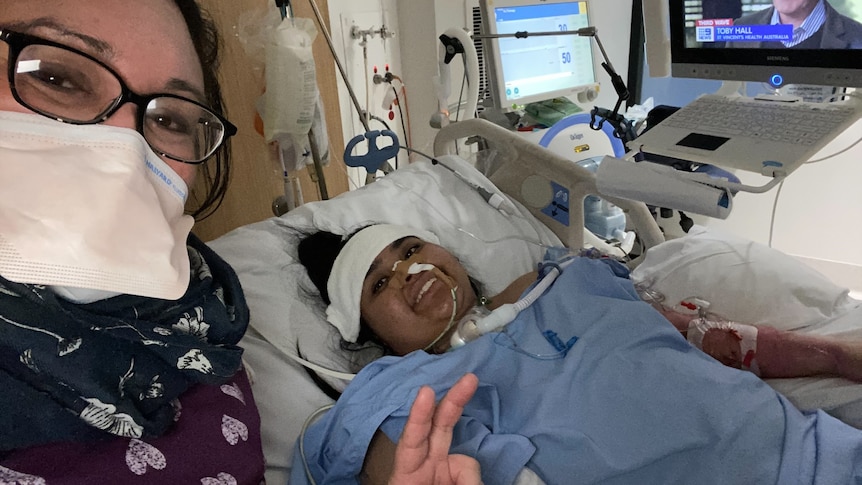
column 408, row 317
column 146, row 42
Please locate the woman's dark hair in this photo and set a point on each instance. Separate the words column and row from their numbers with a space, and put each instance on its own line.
column 317, row 252
column 207, row 42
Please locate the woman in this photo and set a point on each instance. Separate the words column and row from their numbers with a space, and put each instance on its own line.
column 589, row 382
column 118, row 328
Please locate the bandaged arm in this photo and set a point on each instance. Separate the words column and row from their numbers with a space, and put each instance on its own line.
column 730, row 343
column 763, row 350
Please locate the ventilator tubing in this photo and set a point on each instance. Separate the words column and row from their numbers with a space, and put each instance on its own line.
column 474, row 325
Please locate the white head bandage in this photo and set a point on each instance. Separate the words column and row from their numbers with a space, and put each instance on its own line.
column 351, row 266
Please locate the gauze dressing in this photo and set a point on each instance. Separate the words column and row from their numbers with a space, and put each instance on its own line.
column 89, row 207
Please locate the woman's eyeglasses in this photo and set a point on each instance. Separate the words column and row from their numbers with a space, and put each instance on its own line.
column 65, row 84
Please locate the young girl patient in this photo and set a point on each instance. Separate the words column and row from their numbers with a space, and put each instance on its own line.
column 763, row 350
column 588, row 381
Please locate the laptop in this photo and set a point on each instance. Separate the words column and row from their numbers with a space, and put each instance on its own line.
column 769, row 135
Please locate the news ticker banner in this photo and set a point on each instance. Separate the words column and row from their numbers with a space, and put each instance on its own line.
column 723, row 30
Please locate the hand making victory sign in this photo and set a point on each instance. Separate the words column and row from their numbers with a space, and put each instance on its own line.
column 422, row 455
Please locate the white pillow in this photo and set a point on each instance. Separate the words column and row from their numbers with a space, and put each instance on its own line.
column 743, row 280
column 285, row 307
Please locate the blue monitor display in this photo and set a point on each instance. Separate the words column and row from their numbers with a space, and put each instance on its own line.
column 541, row 67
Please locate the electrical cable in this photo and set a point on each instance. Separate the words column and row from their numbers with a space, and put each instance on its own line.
column 405, row 114
column 461, row 100
column 461, row 90
column 839, row 152
column 774, row 210
column 495, row 200
column 308, row 422
column 817, row 160
column 401, row 113
column 381, row 121
column 367, row 111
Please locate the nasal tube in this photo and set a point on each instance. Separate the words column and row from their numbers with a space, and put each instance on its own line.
column 480, row 321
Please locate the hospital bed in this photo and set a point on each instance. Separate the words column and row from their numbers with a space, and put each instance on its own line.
column 497, row 242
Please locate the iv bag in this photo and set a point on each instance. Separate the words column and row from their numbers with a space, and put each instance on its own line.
column 291, row 84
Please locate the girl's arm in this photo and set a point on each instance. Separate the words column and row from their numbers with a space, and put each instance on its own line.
column 776, row 353
column 422, row 454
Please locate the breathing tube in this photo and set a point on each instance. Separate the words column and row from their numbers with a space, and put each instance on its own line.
column 480, row 321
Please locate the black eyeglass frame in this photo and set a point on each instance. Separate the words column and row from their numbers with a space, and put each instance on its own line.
column 18, row 42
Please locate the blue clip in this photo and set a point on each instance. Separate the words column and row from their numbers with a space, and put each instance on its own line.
column 769, row 167
column 376, row 156
column 557, row 343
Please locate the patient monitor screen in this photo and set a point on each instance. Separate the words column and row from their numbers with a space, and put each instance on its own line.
column 544, row 64
column 774, row 24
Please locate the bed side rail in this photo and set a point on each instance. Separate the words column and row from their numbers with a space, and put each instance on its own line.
column 552, row 187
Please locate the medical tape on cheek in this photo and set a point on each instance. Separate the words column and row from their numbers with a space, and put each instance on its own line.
column 403, row 269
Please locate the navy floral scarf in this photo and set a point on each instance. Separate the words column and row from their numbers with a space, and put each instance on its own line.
column 84, row 372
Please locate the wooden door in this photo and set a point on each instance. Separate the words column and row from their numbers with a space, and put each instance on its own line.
column 255, row 180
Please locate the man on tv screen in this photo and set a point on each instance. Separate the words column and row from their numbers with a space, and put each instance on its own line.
column 800, row 24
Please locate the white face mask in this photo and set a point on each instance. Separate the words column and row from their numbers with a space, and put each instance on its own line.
column 88, row 208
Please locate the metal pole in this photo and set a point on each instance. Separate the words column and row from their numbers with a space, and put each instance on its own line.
column 338, row 63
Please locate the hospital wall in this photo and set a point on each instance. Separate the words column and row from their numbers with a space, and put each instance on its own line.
column 364, row 50
column 818, row 213
column 818, row 210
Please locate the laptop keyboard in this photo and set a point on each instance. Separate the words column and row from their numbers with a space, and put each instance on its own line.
column 798, row 123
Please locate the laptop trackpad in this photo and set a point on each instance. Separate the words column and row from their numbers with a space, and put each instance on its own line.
column 703, row 142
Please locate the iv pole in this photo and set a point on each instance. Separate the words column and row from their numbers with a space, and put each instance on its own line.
column 318, row 176
column 363, row 114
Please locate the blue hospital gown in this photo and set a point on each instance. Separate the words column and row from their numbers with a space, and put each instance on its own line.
column 630, row 402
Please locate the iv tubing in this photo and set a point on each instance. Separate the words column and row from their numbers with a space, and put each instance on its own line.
column 449, row 325
column 338, row 63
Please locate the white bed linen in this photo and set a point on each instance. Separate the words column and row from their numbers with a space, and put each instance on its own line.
column 751, row 283
column 286, row 312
